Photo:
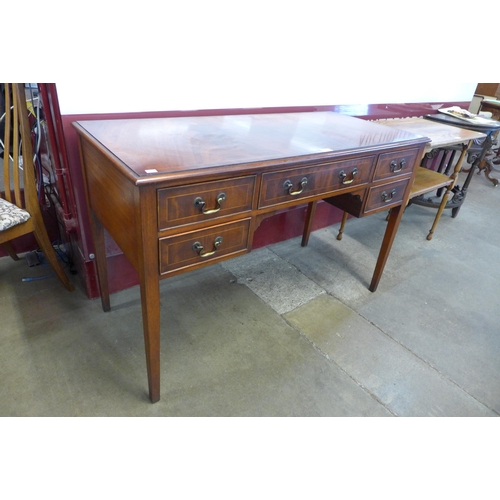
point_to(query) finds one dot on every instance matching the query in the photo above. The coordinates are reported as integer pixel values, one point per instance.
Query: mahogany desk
(177, 194)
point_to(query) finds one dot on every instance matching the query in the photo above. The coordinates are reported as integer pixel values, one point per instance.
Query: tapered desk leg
(311, 210)
(100, 258)
(390, 234)
(150, 299)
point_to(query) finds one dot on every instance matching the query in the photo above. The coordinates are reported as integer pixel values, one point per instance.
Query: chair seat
(11, 215)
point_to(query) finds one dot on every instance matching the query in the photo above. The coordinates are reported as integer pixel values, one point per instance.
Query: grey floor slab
(274, 280)
(404, 383)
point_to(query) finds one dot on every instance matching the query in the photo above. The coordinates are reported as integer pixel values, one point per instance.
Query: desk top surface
(160, 146)
(440, 134)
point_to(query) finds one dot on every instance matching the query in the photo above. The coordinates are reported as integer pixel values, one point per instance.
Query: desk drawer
(288, 185)
(198, 202)
(395, 164)
(197, 248)
(386, 196)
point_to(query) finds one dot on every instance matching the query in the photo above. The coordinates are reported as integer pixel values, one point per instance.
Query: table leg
(150, 300)
(390, 233)
(342, 226)
(311, 210)
(100, 259)
(479, 157)
(487, 171)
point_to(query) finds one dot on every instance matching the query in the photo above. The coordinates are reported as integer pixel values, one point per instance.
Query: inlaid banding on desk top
(152, 146)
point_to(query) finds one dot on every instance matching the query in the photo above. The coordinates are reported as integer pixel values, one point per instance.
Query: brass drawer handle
(386, 197)
(198, 202)
(288, 186)
(394, 166)
(343, 177)
(198, 247)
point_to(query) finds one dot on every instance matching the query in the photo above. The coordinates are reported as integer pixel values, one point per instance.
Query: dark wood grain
(111, 188)
(395, 164)
(176, 206)
(177, 253)
(386, 196)
(322, 178)
(182, 145)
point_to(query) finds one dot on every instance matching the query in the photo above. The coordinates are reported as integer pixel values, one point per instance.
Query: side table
(444, 137)
(477, 153)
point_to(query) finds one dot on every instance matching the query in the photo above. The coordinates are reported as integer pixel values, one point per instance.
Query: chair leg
(311, 210)
(342, 225)
(46, 246)
(8, 248)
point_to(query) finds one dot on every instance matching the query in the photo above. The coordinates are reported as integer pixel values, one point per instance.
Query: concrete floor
(282, 331)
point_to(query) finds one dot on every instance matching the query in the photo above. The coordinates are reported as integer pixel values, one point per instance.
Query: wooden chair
(20, 211)
(426, 181)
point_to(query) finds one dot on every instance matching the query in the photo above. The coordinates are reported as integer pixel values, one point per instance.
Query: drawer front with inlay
(204, 246)
(182, 205)
(386, 195)
(288, 185)
(395, 164)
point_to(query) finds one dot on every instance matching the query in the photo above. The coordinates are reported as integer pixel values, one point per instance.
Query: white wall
(108, 97)
(194, 54)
